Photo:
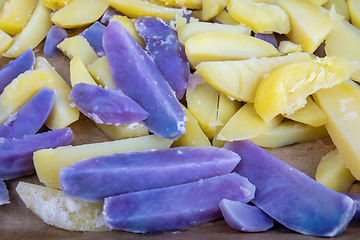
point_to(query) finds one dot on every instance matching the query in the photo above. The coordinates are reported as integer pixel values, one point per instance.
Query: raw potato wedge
(5, 41)
(354, 10)
(310, 114)
(194, 135)
(341, 104)
(309, 31)
(211, 8)
(78, 46)
(240, 79)
(15, 14)
(100, 71)
(246, 123)
(48, 162)
(262, 18)
(341, 7)
(194, 28)
(58, 210)
(33, 33)
(286, 88)
(343, 40)
(79, 73)
(333, 173)
(191, 4)
(79, 13)
(137, 8)
(62, 114)
(21, 89)
(220, 46)
(289, 132)
(56, 4)
(202, 102)
(129, 25)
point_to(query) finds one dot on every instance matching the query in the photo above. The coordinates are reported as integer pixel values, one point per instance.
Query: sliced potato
(58, 210)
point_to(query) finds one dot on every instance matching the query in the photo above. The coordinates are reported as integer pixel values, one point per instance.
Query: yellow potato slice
(129, 25)
(354, 11)
(341, 7)
(341, 104)
(309, 24)
(62, 114)
(48, 162)
(33, 33)
(142, 8)
(194, 28)
(131, 130)
(5, 41)
(245, 124)
(240, 79)
(286, 88)
(100, 71)
(15, 14)
(194, 136)
(21, 89)
(333, 173)
(226, 109)
(202, 102)
(289, 132)
(79, 73)
(212, 8)
(343, 40)
(225, 18)
(79, 13)
(78, 46)
(220, 46)
(310, 114)
(286, 47)
(314, 2)
(190, 4)
(56, 4)
(58, 210)
(262, 18)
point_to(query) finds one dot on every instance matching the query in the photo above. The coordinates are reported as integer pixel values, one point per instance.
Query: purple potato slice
(135, 74)
(93, 35)
(105, 105)
(16, 155)
(168, 53)
(356, 198)
(291, 197)
(30, 117)
(96, 178)
(177, 206)
(16, 67)
(244, 217)
(55, 36)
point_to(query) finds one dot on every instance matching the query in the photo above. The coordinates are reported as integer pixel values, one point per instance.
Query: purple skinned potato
(177, 206)
(16, 155)
(4, 194)
(96, 178)
(135, 74)
(105, 105)
(30, 117)
(356, 198)
(291, 197)
(168, 53)
(268, 37)
(109, 13)
(55, 36)
(244, 217)
(93, 35)
(16, 67)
